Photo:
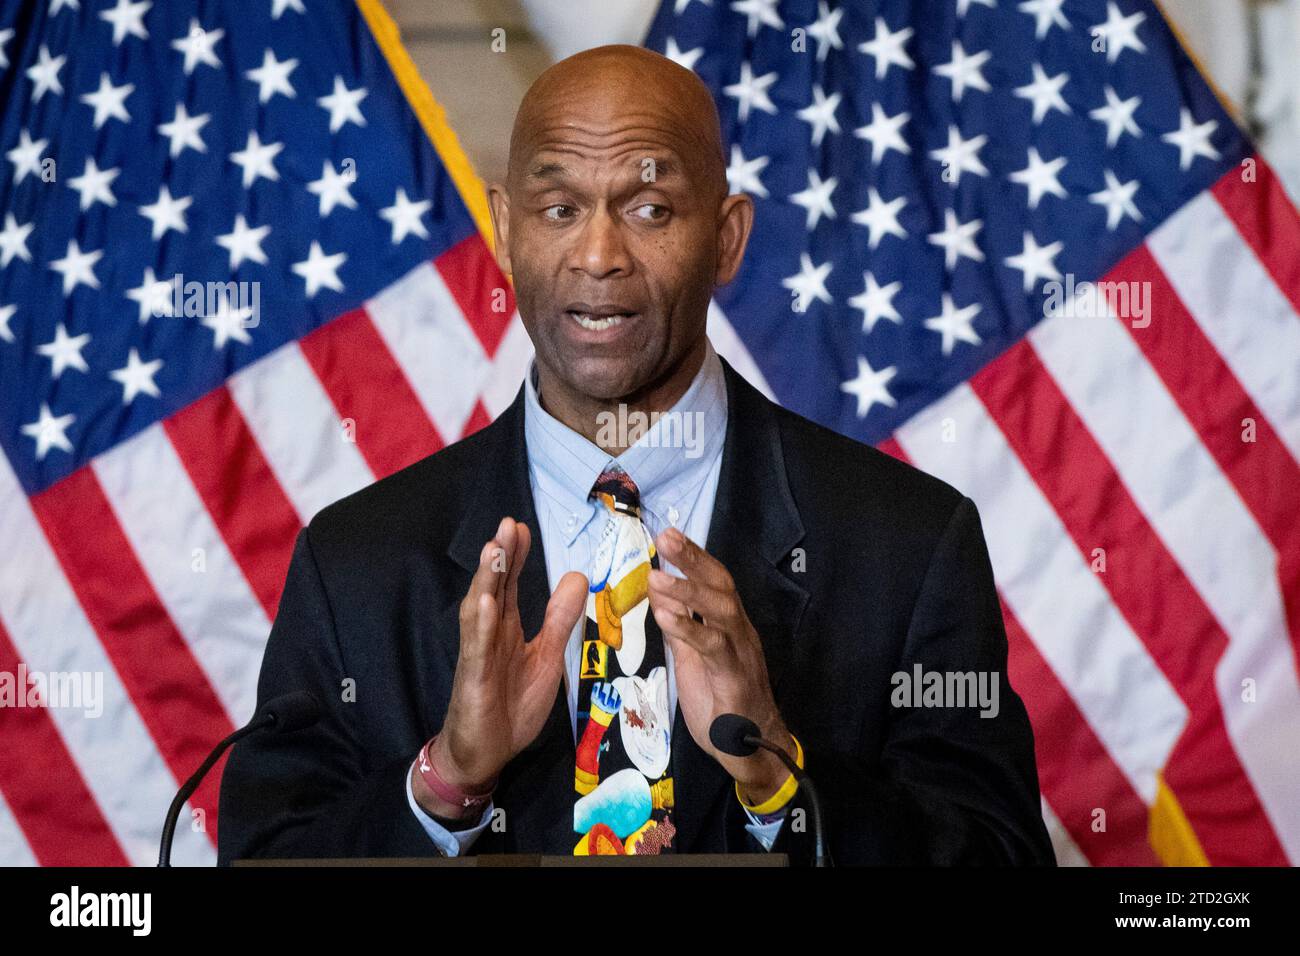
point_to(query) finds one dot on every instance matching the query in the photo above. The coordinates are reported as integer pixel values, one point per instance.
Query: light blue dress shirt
(675, 465)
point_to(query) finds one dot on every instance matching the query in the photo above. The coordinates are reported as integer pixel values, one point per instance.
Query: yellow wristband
(783, 795)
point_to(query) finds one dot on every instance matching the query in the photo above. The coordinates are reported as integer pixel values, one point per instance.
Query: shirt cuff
(764, 833)
(448, 842)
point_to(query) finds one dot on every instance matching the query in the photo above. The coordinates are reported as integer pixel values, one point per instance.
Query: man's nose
(600, 247)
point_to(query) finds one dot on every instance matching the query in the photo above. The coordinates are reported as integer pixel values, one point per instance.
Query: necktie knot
(618, 491)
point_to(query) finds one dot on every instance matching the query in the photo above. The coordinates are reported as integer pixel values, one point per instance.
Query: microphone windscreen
(728, 733)
(289, 712)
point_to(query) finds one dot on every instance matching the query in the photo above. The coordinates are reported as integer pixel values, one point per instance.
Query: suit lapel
(753, 528)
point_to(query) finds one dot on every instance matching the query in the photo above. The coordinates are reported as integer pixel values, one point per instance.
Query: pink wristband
(445, 791)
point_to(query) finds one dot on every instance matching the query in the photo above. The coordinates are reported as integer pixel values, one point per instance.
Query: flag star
(1117, 114)
(7, 313)
(183, 131)
(1047, 14)
(825, 30)
(197, 46)
(816, 198)
(77, 267)
(681, 5)
(109, 101)
(167, 213)
(13, 240)
(58, 5)
(881, 218)
(279, 6)
(870, 387)
(809, 283)
(751, 91)
(887, 48)
(821, 114)
(45, 74)
(743, 174)
(1041, 177)
(1117, 197)
(963, 6)
(152, 295)
(404, 216)
(257, 159)
(964, 70)
(883, 133)
(958, 239)
(64, 351)
(243, 242)
(1045, 92)
(6, 35)
(228, 322)
(136, 377)
(1036, 262)
(332, 188)
(1192, 139)
(93, 184)
(760, 13)
(272, 76)
(50, 431)
(1119, 33)
(344, 105)
(876, 302)
(961, 155)
(320, 270)
(127, 19)
(686, 58)
(955, 325)
(26, 156)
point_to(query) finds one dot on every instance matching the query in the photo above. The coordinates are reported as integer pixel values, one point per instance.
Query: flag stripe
(196, 577)
(1089, 792)
(1267, 220)
(44, 790)
(1180, 632)
(1073, 622)
(121, 765)
(369, 390)
(1216, 274)
(166, 684)
(481, 292)
(308, 450)
(426, 332)
(1261, 470)
(1063, 845)
(247, 504)
(1147, 440)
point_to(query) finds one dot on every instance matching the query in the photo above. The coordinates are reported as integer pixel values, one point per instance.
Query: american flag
(1023, 246)
(165, 433)
(922, 171)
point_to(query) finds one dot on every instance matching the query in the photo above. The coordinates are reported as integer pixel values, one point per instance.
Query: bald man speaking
(520, 643)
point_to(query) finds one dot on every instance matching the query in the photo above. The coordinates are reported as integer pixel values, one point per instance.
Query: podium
(515, 860)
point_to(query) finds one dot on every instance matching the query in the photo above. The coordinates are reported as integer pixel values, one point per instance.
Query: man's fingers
(510, 599)
(567, 605)
(719, 608)
(675, 622)
(696, 563)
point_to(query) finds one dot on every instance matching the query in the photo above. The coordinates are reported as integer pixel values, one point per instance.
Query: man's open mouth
(598, 318)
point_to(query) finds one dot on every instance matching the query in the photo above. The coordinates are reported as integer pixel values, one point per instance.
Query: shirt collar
(673, 456)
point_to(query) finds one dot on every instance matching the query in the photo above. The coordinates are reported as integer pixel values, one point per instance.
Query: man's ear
(735, 220)
(499, 208)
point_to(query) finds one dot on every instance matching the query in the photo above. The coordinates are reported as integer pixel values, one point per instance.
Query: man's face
(611, 231)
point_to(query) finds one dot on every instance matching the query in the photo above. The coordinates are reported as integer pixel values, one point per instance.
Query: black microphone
(739, 736)
(289, 712)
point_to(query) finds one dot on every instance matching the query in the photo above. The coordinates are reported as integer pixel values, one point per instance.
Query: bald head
(617, 87)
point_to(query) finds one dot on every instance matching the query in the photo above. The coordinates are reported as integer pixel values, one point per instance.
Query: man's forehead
(551, 165)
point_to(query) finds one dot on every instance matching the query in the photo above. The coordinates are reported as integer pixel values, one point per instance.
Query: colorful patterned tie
(623, 776)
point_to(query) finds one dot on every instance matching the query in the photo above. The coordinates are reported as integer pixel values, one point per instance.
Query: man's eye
(651, 211)
(558, 211)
